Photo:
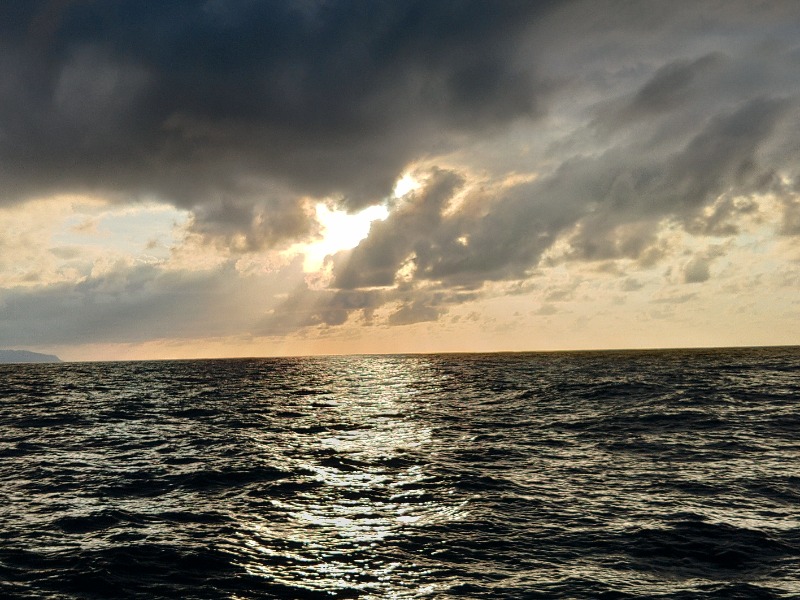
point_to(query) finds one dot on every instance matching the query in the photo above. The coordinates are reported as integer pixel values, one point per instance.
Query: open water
(656, 474)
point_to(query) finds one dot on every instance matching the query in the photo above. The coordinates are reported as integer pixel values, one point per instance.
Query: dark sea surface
(650, 474)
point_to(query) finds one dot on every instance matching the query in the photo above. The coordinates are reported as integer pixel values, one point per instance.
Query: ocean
(669, 474)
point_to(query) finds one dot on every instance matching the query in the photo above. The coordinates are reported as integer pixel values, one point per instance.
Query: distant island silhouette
(25, 356)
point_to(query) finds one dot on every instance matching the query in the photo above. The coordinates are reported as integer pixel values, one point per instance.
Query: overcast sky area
(245, 178)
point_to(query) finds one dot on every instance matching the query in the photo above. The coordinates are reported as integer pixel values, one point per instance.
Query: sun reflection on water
(365, 460)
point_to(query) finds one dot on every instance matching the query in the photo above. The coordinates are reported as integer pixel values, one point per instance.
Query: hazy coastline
(26, 356)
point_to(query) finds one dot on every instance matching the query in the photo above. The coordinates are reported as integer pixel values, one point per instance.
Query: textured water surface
(663, 474)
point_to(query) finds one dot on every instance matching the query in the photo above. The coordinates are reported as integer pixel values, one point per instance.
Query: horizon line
(445, 353)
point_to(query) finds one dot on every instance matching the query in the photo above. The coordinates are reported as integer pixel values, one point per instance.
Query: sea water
(648, 474)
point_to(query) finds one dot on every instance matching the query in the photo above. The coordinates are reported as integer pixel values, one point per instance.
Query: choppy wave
(661, 474)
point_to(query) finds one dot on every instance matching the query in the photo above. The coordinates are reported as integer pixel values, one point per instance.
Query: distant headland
(24, 356)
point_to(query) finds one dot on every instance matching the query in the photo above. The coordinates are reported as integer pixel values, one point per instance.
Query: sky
(227, 178)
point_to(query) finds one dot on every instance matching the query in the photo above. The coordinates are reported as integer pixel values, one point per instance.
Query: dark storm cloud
(197, 102)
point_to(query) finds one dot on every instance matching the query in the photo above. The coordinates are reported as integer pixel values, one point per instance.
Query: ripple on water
(571, 475)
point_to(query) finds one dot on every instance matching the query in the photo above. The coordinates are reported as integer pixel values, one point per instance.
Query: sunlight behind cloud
(340, 231)
(405, 185)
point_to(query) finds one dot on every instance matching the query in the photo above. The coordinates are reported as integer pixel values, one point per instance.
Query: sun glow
(340, 231)
(405, 185)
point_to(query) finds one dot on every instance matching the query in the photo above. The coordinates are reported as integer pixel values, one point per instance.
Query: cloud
(631, 284)
(211, 105)
(306, 307)
(138, 302)
(239, 110)
(414, 312)
(610, 206)
(703, 176)
(243, 226)
(409, 230)
(791, 218)
(607, 206)
(672, 86)
(545, 310)
(674, 298)
(789, 194)
(697, 270)
(403, 304)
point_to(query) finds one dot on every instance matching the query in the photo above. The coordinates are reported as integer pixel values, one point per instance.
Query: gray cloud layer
(137, 303)
(250, 104)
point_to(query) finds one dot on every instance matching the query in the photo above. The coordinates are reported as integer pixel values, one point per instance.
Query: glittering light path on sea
(360, 485)
(629, 475)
